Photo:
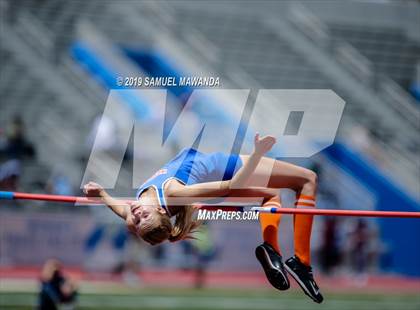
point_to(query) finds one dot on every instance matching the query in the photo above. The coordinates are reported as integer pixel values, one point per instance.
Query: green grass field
(186, 299)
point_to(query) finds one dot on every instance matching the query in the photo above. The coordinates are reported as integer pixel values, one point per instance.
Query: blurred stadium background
(59, 59)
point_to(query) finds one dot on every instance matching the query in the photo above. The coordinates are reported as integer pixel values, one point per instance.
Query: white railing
(400, 100)
(405, 114)
(38, 36)
(309, 24)
(361, 67)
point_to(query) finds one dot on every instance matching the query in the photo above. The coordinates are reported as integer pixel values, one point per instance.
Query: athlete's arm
(226, 188)
(211, 190)
(208, 189)
(119, 207)
(262, 146)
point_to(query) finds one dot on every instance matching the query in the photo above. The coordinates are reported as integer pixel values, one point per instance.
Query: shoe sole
(271, 272)
(303, 287)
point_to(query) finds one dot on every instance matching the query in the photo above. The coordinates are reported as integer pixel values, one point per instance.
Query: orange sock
(270, 223)
(303, 229)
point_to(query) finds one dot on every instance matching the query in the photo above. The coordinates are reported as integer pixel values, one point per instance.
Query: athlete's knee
(311, 180)
(312, 177)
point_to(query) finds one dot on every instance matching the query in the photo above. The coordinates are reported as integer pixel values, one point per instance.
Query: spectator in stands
(129, 272)
(203, 251)
(363, 140)
(363, 250)
(59, 184)
(9, 175)
(359, 239)
(17, 145)
(104, 134)
(56, 289)
(198, 253)
(329, 252)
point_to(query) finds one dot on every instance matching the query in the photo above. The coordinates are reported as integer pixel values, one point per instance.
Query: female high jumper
(195, 176)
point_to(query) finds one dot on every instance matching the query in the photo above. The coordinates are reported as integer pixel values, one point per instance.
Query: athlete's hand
(93, 189)
(264, 144)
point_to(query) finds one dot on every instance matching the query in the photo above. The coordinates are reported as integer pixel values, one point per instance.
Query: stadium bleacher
(392, 53)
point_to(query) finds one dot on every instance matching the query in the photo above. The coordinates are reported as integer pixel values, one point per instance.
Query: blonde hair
(162, 229)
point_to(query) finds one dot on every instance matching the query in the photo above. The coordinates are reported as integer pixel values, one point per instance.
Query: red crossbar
(359, 213)
(85, 200)
(57, 198)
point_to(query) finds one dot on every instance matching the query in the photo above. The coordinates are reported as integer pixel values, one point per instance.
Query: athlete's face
(149, 222)
(143, 214)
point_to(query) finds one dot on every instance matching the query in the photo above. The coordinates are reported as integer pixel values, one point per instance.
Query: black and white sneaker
(272, 263)
(304, 277)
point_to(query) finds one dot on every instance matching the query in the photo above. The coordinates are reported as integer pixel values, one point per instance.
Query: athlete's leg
(268, 253)
(302, 225)
(270, 223)
(278, 174)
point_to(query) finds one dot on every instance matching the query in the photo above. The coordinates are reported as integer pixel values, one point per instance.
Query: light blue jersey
(191, 167)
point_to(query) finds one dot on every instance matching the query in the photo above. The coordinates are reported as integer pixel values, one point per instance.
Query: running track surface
(180, 278)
